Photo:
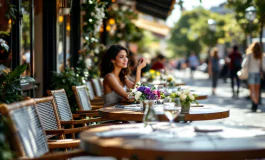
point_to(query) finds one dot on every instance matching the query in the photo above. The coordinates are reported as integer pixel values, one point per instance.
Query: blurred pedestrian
(215, 68)
(224, 71)
(193, 63)
(159, 63)
(253, 63)
(235, 65)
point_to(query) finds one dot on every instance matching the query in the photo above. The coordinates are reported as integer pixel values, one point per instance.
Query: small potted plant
(186, 98)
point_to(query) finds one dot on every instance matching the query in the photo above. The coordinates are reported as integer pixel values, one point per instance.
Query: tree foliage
(192, 32)
(249, 27)
(240, 7)
(179, 34)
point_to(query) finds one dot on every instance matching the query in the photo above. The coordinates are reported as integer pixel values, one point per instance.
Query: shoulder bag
(243, 73)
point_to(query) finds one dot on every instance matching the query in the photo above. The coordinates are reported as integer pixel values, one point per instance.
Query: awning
(157, 8)
(152, 26)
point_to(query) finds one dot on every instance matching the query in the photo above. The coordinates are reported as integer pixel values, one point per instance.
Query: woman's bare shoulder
(109, 77)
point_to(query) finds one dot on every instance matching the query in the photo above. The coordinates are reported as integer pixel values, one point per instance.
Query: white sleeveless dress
(112, 98)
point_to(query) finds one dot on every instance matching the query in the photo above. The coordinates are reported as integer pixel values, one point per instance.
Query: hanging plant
(94, 15)
(89, 59)
(93, 19)
(123, 29)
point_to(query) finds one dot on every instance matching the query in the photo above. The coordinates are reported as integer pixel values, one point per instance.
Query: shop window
(63, 54)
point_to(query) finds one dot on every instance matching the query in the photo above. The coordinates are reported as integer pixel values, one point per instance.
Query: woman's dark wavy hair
(106, 66)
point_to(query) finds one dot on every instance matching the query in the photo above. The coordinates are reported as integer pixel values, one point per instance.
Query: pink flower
(157, 92)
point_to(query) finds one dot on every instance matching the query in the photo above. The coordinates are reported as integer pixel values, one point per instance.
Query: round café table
(136, 142)
(201, 96)
(133, 113)
(178, 83)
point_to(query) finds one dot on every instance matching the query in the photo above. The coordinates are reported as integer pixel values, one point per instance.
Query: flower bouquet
(186, 98)
(151, 75)
(147, 95)
(170, 80)
(143, 92)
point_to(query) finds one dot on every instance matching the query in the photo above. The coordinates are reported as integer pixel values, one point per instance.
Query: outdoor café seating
(28, 139)
(83, 101)
(50, 120)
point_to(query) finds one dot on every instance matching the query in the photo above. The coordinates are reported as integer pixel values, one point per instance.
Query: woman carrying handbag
(253, 63)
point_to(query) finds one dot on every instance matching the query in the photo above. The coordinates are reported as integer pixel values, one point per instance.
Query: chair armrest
(96, 107)
(87, 111)
(97, 102)
(58, 155)
(98, 98)
(81, 121)
(82, 116)
(65, 131)
(85, 114)
(65, 143)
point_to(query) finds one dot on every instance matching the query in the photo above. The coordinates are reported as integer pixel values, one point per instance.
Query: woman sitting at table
(114, 69)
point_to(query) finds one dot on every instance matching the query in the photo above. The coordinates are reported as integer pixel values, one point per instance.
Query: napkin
(132, 106)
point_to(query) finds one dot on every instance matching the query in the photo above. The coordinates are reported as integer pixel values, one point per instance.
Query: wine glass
(172, 110)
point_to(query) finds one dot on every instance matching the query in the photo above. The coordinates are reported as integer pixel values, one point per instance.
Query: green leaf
(17, 72)
(27, 79)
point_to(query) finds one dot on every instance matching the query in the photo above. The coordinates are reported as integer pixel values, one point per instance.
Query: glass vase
(150, 116)
(185, 108)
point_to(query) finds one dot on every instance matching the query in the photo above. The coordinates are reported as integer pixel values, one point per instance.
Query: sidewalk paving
(240, 108)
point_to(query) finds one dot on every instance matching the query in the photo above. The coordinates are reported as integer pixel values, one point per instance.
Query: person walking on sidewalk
(193, 63)
(235, 65)
(214, 66)
(253, 63)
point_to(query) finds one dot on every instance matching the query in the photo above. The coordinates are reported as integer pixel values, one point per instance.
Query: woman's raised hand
(141, 63)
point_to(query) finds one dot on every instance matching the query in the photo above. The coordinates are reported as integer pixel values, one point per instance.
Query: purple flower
(152, 96)
(147, 91)
(141, 88)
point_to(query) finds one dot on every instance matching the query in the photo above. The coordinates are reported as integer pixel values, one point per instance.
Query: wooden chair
(66, 116)
(64, 111)
(97, 87)
(93, 98)
(90, 90)
(83, 101)
(26, 136)
(101, 80)
(28, 140)
(50, 120)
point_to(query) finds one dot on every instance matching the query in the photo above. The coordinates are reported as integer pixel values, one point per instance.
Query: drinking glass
(167, 100)
(171, 110)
